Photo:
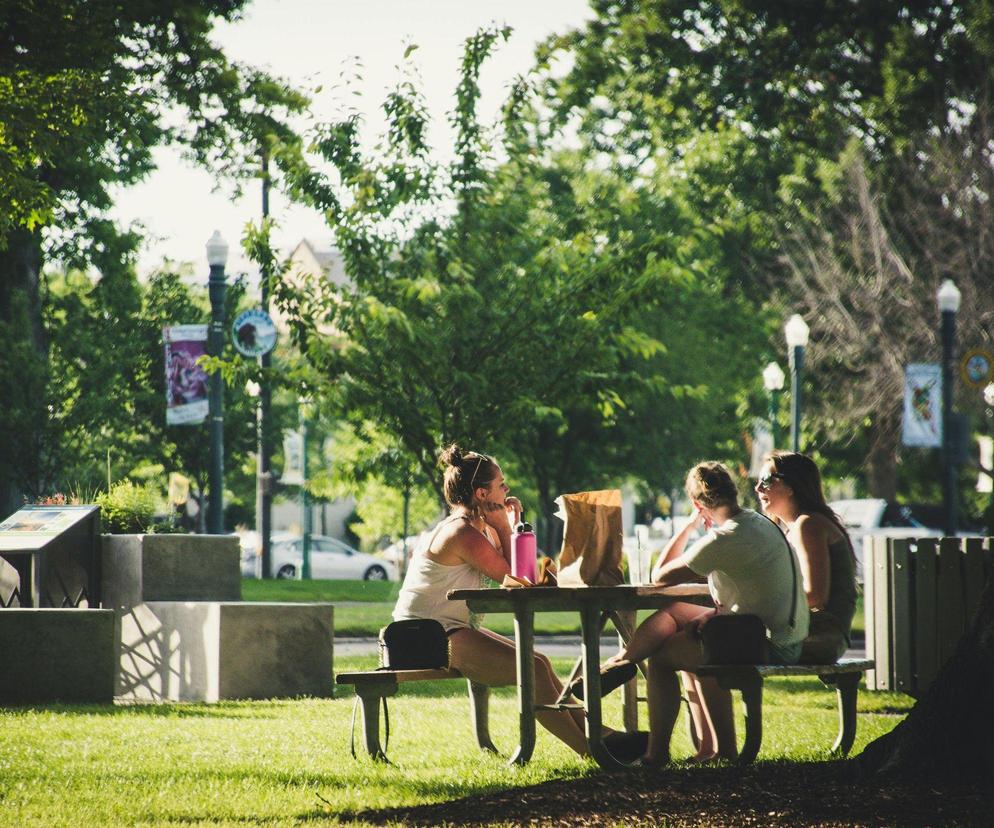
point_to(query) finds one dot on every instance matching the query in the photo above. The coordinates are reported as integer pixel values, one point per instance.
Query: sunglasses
(764, 483)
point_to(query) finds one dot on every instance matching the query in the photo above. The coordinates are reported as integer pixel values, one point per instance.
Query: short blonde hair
(710, 484)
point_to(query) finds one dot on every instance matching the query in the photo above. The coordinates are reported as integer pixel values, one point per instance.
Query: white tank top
(426, 584)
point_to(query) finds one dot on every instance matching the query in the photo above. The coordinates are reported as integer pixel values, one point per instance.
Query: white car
(331, 559)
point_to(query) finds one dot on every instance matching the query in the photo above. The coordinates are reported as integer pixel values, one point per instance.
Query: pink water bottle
(524, 552)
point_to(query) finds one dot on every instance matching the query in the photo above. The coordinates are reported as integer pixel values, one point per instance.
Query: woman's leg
(711, 712)
(681, 651)
(651, 633)
(717, 704)
(706, 741)
(489, 659)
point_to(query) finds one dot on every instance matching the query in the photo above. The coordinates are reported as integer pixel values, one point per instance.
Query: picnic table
(594, 604)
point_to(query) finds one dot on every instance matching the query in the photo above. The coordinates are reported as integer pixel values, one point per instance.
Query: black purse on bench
(414, 644)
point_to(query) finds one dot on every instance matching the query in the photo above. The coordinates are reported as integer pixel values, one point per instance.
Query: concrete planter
(209, 650)
(57, 655)
(141, 568)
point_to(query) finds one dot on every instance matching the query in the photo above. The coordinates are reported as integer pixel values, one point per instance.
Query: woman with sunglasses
(790, 491)
(473, 541)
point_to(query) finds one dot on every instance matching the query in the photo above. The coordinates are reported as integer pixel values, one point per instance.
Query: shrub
(127, 508)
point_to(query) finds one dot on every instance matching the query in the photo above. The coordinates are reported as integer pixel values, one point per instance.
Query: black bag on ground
(734, 639)
(414, 644)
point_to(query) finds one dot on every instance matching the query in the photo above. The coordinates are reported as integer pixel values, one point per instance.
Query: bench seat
(373, 685)
(748, 680)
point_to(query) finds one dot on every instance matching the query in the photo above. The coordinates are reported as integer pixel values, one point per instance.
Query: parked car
(330, 559)
(876, 517)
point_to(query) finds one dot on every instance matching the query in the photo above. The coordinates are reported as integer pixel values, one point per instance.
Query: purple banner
(186, 381)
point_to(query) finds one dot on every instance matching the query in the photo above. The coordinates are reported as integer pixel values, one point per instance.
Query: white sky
(306, 41)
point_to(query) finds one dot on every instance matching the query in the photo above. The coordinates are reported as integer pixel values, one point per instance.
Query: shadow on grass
(773, 793)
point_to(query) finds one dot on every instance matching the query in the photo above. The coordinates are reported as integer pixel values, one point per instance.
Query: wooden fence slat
(926, 621)
(950, 606)
(881, 615)
(902, 619)
(974, 577)
(869, 609)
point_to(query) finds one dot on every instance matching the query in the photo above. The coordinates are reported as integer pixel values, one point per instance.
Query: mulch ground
(768, 794)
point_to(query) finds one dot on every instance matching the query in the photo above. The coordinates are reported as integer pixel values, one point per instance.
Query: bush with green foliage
(127, 508)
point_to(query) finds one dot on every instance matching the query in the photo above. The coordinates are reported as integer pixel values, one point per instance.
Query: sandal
(612, 677)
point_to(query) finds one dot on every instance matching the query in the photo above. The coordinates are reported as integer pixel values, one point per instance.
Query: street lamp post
(796, 331)
(305, 500)
(217, 257)
(948, 298)
(773, 378)
(264, 476)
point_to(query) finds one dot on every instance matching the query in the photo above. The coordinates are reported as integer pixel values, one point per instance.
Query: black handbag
(734, 639)
(414, 644)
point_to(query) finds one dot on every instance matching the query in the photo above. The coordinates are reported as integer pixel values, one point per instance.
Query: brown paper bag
(591, 552)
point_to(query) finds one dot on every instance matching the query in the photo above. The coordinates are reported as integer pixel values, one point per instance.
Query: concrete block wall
(140, 568)
(57, 655)
(184, 635)
(210, 650)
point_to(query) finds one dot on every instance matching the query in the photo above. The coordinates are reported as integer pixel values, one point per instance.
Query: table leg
(524, 640)
(624, 625)
(590, 623)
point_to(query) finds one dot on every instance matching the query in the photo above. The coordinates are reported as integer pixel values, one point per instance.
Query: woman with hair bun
(473, 541)
(790, 491)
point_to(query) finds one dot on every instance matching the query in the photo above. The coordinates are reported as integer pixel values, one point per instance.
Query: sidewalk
(550, 645)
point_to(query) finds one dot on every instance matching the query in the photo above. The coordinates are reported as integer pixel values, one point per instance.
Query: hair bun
(451, 455)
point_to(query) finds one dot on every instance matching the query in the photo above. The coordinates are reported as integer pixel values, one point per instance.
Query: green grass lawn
(287, 762)
(368, 604)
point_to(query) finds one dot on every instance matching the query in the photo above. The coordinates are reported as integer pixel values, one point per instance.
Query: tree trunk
(20, 297)
(881, 462)
(949, 734)
(23, 367)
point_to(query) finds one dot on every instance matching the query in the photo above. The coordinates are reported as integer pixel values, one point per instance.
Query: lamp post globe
(796, 332)
(217, 258)
(773, 380)
(948, 299)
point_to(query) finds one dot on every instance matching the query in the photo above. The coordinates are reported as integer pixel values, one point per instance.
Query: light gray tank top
(426, 584)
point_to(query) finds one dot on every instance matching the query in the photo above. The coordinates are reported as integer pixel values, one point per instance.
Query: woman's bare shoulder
(817, 525)
(456, 539)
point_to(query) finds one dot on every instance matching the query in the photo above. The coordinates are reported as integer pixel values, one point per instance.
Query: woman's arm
(674, 549)
(810, 539)
(479, 552)
(499, 519)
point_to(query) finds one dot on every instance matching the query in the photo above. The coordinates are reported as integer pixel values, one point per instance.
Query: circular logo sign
(254, 333)
(977, 367)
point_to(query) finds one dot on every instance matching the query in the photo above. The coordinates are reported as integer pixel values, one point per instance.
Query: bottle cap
(523, 527)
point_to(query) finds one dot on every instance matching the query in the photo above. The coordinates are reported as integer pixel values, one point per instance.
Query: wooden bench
(748, 680)
(372, 686)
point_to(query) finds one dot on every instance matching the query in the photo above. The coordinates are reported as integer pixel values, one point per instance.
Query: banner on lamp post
(922, 405)
(293, 459)
(187, 401)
